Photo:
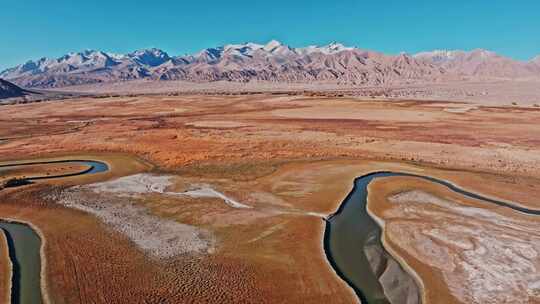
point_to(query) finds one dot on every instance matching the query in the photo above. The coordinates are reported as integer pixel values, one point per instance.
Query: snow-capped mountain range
(274, 61)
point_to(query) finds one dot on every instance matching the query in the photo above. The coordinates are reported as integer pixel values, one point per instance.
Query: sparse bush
(16, 182)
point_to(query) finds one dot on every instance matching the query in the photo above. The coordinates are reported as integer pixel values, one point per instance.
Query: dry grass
(488, 139)
(274, 163)
(40, 170)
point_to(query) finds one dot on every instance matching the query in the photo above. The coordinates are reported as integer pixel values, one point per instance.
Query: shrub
(16, 182)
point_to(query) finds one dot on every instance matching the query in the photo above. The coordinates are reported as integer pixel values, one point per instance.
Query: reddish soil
(262, 150)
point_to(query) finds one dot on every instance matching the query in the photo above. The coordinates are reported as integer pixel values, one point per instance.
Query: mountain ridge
(274, 62)
(9, 90)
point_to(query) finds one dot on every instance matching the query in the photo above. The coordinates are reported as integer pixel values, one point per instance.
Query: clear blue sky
(36, 28)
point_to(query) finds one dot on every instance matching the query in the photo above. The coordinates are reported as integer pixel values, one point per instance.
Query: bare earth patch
(485, 256)
(147, 183)
(115, 203)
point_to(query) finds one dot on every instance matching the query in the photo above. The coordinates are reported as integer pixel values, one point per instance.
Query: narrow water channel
(93, 168)
(350, 231)
(24, 253)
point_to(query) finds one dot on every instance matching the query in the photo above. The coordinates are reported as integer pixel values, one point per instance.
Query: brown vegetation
(269, 152)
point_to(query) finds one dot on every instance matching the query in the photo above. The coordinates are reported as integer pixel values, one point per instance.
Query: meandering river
(25, 244)
(350, 231)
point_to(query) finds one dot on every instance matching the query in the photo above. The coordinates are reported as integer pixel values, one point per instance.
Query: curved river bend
(348, 232)
(94, 167)
(351, 230)
(25, 244)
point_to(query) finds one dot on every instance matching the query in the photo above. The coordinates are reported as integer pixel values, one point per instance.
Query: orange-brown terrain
(5, 266)
(223, 198)
(41, 170)
(462, 250)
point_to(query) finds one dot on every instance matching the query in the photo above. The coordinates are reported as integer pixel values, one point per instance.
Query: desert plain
(224, 198)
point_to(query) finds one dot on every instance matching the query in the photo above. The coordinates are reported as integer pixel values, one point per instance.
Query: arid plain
(214, 198)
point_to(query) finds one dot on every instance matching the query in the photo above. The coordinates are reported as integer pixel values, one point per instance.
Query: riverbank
(247, 237)
(40, 170)
(6, 269)
(353, 245)
(457, 245)
(490, 201)
(69, 170)
(21, 232)
(118, 165)
(290, 158)
(29, 294)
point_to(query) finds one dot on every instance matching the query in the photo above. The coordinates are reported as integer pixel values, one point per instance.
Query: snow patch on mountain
(273, 61)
